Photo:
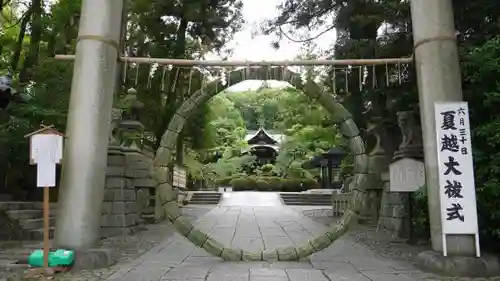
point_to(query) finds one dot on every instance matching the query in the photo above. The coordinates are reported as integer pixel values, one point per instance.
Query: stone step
(203, 203)
(308, 199)
(216, 201)
(300, 199)
(29, 224)
(201, 196)
(309, 195)
(28, 214)
(204, 199)
(305, 200)
(37, 234)
(14, 205)
(206, 196)
(303, 203)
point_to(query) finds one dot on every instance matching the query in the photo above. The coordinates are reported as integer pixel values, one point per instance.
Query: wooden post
(46, 227)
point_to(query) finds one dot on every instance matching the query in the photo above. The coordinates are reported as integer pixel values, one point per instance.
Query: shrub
(291, 185)
(267, 168)
(275, 183)
(223, 181)
(239, 184)
(263, 185)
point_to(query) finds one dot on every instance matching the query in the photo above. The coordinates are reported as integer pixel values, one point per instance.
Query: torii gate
(83, 177)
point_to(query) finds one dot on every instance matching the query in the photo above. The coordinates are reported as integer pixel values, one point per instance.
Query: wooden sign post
(46, 147)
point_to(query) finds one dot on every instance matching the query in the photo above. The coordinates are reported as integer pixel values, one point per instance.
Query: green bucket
(56, 258)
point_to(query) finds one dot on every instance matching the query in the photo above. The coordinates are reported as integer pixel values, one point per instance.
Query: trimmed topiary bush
(291, 185)
(310, 184)
(276, 184)
(239, 184)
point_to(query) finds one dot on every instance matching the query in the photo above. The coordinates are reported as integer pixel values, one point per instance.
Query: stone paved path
(254, 221)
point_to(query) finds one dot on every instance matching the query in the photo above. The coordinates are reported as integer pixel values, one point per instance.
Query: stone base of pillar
(458, 266)
(94, 258)
(119, 210)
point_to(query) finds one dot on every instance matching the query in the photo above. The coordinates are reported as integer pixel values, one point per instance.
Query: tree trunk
(20, 38)
(36, 36)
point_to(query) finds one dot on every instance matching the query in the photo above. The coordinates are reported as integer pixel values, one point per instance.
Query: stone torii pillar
(438, 78)
(89, 120)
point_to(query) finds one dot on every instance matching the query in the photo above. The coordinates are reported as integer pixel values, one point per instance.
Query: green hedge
(272, 184)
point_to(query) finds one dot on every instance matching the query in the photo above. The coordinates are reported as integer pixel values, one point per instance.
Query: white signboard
(46, 152)
(406, 175)
(179, 178)
(456, 175)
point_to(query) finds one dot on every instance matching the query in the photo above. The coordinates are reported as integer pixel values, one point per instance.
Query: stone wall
(127, 175)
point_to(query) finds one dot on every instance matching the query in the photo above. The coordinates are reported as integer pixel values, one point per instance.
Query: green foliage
(267, 169)
(481, 69)
(225, 124)
(277, 109)
(306, 125)
(420, 222)
(31, 34)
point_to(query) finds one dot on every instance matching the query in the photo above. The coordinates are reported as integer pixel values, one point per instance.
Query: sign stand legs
(46, 226)
(45, 270)
(445, 247)
(478, 248)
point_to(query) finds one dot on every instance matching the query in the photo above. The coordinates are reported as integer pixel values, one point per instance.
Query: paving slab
(260, 221)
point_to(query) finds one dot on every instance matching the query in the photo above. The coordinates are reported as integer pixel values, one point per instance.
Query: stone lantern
(328, 162)
(131, 129)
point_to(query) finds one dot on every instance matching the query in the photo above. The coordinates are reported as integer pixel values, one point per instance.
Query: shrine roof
(272, 138)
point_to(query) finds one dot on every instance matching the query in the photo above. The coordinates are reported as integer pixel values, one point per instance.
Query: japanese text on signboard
(456, 176)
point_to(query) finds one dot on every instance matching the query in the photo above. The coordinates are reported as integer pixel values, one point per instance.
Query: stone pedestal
(395, 205)
(120, 210)
(140, 164)
(392, 209)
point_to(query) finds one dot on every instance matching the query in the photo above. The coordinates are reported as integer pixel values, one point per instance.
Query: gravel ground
(128, 247)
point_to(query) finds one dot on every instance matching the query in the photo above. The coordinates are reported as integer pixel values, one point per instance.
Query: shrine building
(264, 145)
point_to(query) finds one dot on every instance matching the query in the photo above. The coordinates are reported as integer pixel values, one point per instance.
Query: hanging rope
(163, 78)
(360, 78)
(334, 81)
(149, 77)
(346, 81)
(387, 75)
(125, 67)
(189, 81)
(136, 75)
(175, 79)
(399, 73)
